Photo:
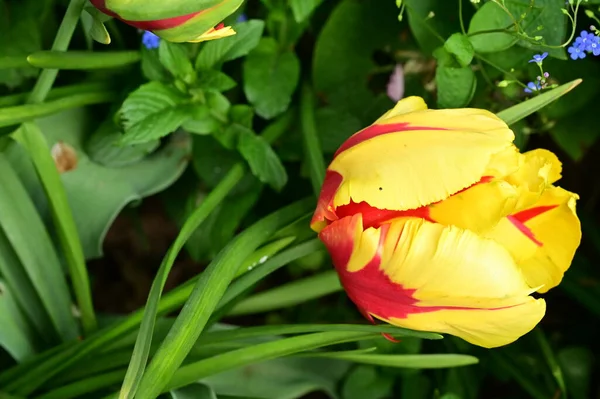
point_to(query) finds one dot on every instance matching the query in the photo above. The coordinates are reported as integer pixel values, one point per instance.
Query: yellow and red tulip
(435, 222)
(174, 20)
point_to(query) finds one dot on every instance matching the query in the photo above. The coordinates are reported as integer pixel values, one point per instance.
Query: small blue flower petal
(576, 52)
(242, 18)
(150, 40)
(539, 58)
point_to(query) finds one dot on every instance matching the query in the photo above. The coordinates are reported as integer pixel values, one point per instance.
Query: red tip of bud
(220, 26)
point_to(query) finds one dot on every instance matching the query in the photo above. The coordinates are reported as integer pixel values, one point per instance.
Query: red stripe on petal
(525, 230)
(378, 130)
(529, 214)
(325, 211)
(375, 217)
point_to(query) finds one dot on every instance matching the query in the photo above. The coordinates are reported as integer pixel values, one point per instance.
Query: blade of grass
(313, 151)
(82, 60)
(19, 98)
(423, 361)
(551, 360)
(206, 295)
(290, 294)
(141, 350)
(25, 230)
(31, 138)
(526, 108)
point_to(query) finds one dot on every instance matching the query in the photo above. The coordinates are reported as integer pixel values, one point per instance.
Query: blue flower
(576, 52)
(242, 18)
(585, 40)
(595, 45)
(150, 40)
(533, 86)
(539, 58)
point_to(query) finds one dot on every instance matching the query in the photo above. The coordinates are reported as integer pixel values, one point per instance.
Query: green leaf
(365, 381)
(152, 111)
(334, 127)
(216, 52)
(141, 350)
(195, 391)
(546, 14)
(215, 80)
(15, 335)
(576, 133)
(270, 78)
(174, 57)
(204, 298)
(576, 363)
(456, 86)
(303, 8)
(82, 60)
(263, 161)
(93, 23)
(526, 108)
(491, 16)
(289, 294)
(202, 120)
(242, 114)
(296, 377)
(20, 30)
(94, 207)
(551, 360)
(345, 85)
(461, 48)
(429, 21)
(31, 138)
(151, 66)
(25, 231)
(407, 361)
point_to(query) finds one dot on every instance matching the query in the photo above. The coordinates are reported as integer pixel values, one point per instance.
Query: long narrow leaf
(32, 139)
(206, 295)
(289, 294)
(406, 361)
(32, 244)
(144, 340)
(526, 108)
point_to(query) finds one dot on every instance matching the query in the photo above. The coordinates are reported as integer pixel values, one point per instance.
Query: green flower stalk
(174, 20)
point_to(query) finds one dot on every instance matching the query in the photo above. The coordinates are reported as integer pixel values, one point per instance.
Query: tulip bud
(174, 20)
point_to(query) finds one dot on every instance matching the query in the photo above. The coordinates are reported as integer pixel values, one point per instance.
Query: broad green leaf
(289, 294)
(141, 350)
(202, 121)
(194, 391)
(94, 206)
(455, 86)
(174, 57)
(345, 85)
(104, 148)
(15, 335)
(576, 133)
(211, 79)
(32, 139)
(33, 246)
(270, 78)
(528, 107)
(152, 111)
(204, 298)
(151, 67)
(420, 361)
(283, 378)
(263, 161)
(216, 52)
(334, 127)
(546, 15)
(20, 30)
(461, 48)
(429, 21)
(303, 8)
(491, 16)
(242, 114)
(365, 381)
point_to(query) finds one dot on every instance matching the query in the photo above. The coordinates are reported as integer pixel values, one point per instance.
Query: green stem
(314, 154)
(82, 60)
(23, 113)
(8, 62)
(61, 43)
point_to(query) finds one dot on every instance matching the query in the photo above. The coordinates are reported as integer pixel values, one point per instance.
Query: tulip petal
(430, 277)
(407, 170)
(543, 239)
(404, 106)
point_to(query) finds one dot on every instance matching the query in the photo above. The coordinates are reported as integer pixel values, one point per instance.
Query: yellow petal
(478, 208)
(487, 328)
(404, 106)
(408, 169)
(213, 34)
